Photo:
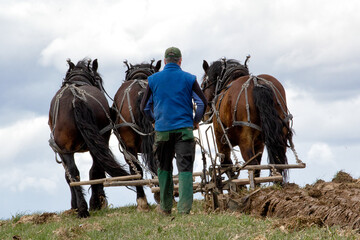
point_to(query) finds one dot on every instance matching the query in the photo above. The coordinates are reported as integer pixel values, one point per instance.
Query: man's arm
(146, 104)
(200, 102)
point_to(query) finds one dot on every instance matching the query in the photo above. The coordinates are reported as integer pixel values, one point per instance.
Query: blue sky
(312, 47)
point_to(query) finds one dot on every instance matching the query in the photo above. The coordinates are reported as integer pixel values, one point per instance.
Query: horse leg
(258, 147)
(225, 160)
(98, 197)
(250, 144)
(142, 204)
(77, 196)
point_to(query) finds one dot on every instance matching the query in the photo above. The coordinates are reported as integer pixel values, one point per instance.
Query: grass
(127, 223)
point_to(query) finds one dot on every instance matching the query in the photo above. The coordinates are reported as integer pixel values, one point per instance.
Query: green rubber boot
(185, 192)
(166, 190)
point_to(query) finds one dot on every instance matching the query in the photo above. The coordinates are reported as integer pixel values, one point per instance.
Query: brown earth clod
(321, 204)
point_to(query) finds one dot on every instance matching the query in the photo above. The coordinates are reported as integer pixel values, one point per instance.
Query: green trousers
(167, 144)
(167, 188)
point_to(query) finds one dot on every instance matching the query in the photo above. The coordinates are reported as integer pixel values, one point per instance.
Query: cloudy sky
(312, 47)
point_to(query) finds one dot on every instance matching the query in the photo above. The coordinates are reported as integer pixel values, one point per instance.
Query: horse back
(233, 105)
(62, 119)
(279, 94)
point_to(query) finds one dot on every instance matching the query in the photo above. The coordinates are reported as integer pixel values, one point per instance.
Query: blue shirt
(172, 98)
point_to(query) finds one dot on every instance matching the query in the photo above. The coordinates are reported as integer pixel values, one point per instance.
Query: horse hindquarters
(272, 125)
(98, 147)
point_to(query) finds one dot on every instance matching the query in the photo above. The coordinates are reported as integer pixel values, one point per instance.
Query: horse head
(84, 71)
(219, 74)
(142, 70)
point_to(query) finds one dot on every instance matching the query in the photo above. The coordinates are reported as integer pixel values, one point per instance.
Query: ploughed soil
(322, 204)
(335, 203)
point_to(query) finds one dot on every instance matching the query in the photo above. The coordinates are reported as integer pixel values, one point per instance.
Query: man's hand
(196, 125)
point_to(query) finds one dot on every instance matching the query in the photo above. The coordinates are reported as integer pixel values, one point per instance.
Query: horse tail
(96, 143)
(147, 141)
(272, 126)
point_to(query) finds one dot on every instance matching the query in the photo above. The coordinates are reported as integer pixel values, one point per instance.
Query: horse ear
(71, 64)
(126, 63)
(205, 65)
(158, 66)
(247, 59)
(95, 65)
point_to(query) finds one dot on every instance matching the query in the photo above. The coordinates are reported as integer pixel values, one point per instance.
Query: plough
(213, 183)
(133, 180)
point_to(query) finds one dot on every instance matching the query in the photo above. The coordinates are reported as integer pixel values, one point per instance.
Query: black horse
(133, 129)
(79, 119)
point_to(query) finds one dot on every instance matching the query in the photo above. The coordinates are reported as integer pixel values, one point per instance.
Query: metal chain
(131, 158)
(224, 131)
(133, 124)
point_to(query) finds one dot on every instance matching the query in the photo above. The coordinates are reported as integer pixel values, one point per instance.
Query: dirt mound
(38, 218)
(323, 203)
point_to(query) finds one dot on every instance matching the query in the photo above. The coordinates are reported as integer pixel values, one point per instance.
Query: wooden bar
(135, 182)
(125, 181)
(276, 166)
(245, 181)
(195, 174)
(251, 179)
(141, 182)
(176, 187)
(103, 180)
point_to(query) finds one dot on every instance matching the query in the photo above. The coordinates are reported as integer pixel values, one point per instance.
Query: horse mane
(225, 72)
(143, 69)
(81, 65)
(216, 68)
(84, 68)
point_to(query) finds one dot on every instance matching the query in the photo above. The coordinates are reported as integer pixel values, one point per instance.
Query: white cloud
(36, 183)
(41, 177)
(331, 121)
(23, 135)
(270, 31)
(320, 154)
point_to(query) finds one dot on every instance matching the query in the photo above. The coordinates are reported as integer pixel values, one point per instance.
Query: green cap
(172, 52)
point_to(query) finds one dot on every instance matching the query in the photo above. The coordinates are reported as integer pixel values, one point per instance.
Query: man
(168, 102)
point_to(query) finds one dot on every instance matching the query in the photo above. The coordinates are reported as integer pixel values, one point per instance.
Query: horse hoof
(83, 214)
(142, 205)
(104, 202)
(157, 197)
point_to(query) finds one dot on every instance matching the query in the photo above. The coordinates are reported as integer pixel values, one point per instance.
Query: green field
(127, 223)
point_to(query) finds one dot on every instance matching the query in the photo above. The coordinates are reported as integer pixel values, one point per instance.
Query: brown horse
(247, 111)
(79, 119)
(133, 129)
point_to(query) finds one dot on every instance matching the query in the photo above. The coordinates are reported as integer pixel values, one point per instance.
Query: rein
(132, 124)
(132, 74)
(126, 97)
(84, 74)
